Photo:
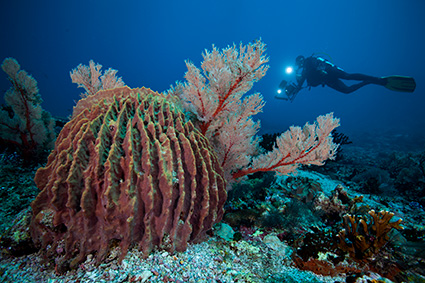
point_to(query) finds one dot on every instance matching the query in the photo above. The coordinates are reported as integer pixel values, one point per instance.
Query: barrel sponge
(127, 169)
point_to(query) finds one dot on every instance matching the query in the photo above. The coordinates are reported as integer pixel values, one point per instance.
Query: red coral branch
(222, 102)
(28, 146)
(251, 170)
(310, 145)
(29, 127)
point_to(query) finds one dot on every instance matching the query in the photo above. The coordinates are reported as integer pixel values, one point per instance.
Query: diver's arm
(300, 81)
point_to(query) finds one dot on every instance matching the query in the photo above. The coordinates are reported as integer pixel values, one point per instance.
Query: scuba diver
(318, 71)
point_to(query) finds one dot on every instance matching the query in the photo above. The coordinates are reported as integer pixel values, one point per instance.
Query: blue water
(148, 41)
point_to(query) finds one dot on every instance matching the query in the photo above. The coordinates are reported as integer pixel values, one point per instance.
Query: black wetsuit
(318, 71)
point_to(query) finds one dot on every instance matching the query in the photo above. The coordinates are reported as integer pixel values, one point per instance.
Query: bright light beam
(289, 70)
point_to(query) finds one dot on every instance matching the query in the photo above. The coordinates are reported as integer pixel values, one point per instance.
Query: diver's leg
(362, 77)
(338, 85)
(341, 74)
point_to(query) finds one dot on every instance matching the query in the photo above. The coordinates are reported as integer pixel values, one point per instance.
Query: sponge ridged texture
(127, 168)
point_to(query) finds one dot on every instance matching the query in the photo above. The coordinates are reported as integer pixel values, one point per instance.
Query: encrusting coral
(128, 169)
(26, 126)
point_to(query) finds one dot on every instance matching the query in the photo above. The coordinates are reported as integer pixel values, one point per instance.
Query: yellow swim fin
(400, 83)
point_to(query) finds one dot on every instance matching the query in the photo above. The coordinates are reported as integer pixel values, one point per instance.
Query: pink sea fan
(215, 97)
(226, 76)
(215, 94)
(91, 79)
(310, 145)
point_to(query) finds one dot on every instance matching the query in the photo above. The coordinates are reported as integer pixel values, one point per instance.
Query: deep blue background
(148, 41)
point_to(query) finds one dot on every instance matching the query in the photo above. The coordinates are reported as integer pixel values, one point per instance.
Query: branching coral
(302, 188)
(27, 126)
(363, 237)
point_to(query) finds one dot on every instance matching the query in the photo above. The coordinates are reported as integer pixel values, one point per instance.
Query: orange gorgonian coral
(363, 237)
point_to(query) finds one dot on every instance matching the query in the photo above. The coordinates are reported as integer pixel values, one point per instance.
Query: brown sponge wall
(127, 169)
